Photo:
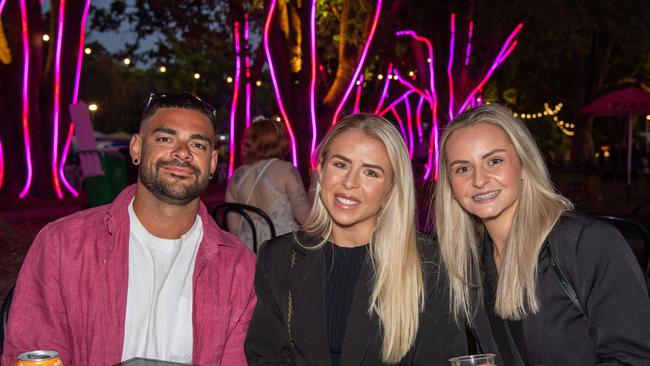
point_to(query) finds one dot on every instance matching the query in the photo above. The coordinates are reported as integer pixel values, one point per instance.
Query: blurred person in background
(268, 182)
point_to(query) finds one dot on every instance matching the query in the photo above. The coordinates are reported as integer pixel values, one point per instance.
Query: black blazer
(267, 342)
(610, 286)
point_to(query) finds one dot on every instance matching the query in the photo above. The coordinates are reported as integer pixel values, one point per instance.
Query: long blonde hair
(460, 233)
(398, 292)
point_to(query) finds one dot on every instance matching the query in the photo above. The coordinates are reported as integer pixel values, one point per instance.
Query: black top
(299, 337)
(342, 267)
(508, 334)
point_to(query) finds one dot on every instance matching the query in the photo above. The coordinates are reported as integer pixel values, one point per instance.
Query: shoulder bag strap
(292, 264)
(564, 282)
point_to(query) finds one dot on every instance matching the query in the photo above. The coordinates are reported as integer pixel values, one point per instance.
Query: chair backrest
(635, 234)
(91, 165)
(220, 214)
(6, 304)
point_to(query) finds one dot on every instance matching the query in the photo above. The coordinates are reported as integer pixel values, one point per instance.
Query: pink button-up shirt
(70, 296)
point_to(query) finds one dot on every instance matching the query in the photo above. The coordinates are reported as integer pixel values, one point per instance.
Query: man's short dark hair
(183, 100)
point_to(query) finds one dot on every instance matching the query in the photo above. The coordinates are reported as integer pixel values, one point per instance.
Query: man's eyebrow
(194, 136)
(197, 136)
(166, 130)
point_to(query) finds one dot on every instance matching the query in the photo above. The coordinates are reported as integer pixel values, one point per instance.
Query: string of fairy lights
(565, 127)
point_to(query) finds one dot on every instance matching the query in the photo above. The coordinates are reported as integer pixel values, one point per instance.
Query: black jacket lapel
(308, 321)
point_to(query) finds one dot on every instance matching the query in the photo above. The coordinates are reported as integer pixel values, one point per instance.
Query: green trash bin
(103, 189)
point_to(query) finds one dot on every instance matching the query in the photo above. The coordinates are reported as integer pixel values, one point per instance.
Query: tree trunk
(348, 55)
(11, 103)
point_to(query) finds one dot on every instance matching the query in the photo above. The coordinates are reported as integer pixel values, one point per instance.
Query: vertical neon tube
(57, 100)
(312, 78)
(468, 49)
(432, 162)
(384, 91)
(409, 124)
(25, 115)
(2, 5)
(248, 72)
(418, 119)
(355, 77)
(401, 125)
(2, 162)
(357, 98)
(450, 65)
(235, 99)
(80, 53)
(507, 47)
(278, 96)
(64, 156)
(75, 98)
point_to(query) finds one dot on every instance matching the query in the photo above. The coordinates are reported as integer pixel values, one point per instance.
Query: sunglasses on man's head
(178, 100)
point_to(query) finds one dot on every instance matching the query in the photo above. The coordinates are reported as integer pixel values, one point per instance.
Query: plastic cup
(486, 359)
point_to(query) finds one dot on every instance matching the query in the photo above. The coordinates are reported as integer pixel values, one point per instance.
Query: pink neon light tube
(409, 123)
(57, 101)
(395, 102)
(75, 99)
(355, 77)
(450, 65)
(503, 53)
(235, 98)
(2, 5)
(25, 116)
(64, 156)
(418, 119)
(2, 163)
(248, 72)
(278, 96)
(357, 98)
(80, 53)
(507, 53)
(411, 86)
(432, 164)
(401, 125)
(468, 50)
(384, 91)
(312, 78)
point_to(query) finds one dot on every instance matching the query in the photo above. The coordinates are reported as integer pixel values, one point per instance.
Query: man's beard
(172, 192)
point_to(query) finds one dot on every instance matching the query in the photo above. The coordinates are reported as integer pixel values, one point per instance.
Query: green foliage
(328, 20)
(192, 37)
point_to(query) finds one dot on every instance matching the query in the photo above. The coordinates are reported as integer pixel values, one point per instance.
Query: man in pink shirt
(149, 275)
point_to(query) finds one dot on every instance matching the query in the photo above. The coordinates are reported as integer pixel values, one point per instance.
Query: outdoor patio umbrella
(628, 102)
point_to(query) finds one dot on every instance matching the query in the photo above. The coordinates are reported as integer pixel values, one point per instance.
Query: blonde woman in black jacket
(540, 284)
(355, 286)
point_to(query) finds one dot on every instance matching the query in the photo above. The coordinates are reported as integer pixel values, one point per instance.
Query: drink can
(39, 358)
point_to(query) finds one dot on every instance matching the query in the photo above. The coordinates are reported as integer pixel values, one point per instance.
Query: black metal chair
(635, 234)
(220, 213)
(6, 304)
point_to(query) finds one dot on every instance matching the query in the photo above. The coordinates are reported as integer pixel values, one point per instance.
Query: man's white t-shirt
(158, 322)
